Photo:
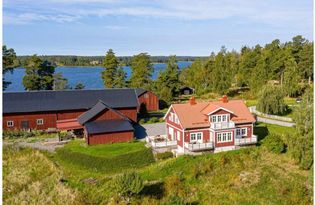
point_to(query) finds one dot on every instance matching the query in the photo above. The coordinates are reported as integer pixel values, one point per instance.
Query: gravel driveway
(142, 131)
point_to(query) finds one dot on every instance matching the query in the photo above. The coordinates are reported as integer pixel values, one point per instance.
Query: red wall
(69, 114)
(152, 102)
(111, 115)
(49, 120)
(223, 144)
(105, 138)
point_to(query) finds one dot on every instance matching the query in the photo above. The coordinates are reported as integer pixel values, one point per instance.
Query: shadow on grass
(155, 190)
(261, 132)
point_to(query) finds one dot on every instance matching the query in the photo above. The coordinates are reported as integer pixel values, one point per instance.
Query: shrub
(154, 119)
(128, 184)
(164, 155)
(175, 200)
(142, 121)
(19, 134)
(107, 164)
(274, 143)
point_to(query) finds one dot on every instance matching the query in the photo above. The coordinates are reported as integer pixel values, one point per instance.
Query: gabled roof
(95, 110)
(196, 116)
(105, 126)
(44, 101)
(140, 91)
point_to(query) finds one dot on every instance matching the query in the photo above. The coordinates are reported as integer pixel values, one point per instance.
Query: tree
(167, 83)
(305, 64)
(271, 100)
(110, 64)
(222, 81)
(39, 74)
(120, 78)
(291, 77)
(79, 86)
(302, 140)
(60, 83)
(128, 184)
(141, 71)
(9, 62)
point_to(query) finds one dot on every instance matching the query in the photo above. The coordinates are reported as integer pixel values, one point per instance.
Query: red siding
(49, 120)
(220, 112)
(224, 144)
(170, 122)
(105, 138)
(69, 114)
(150, 100)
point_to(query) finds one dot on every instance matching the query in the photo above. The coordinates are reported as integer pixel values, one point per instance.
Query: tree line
(61, 60)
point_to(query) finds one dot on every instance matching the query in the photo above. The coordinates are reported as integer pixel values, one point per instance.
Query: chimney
(192, 101)
(225, 99)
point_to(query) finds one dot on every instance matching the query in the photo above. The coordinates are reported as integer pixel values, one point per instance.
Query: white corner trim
(220, 108)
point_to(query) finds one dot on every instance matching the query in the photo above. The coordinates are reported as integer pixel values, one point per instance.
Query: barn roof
(95, 110)
(38, 101)
(140, 91)
(105, 126)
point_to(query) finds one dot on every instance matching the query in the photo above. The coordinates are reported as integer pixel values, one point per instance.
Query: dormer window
(220, 118)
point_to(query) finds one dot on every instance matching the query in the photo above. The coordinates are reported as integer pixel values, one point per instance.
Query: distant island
(69, 60)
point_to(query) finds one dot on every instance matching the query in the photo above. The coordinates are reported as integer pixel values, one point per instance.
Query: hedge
(135, 159)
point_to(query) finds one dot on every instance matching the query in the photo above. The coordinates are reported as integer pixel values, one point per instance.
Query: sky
(158, 27)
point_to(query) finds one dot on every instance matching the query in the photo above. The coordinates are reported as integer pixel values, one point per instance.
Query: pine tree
(110, 64)
(291, 77)
(60, 83)
(120, 78)
(39, 74)
(9, 62)
(141, 71)
(222, 82)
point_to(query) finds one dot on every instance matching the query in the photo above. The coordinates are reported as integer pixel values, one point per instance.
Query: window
(238, 132)
(244, 131)
(219, 118)
(10, 123)
(199, 136)
(178, 135)
(171, 117)
(214, 118)
(224, 118)
(224, 137)
(176, 119)
(39, 121)
(146, 95)
(192, 136)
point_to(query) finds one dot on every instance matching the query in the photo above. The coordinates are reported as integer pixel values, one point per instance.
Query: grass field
(246, 176)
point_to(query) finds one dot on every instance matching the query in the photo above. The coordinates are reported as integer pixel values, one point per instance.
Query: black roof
(140, 91)
(95, 110)
(38, 101)
(105, 126)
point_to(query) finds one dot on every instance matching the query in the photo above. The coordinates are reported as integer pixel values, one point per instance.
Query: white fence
(274, 117)
(199, 146)
(153, 142)
(245, 141)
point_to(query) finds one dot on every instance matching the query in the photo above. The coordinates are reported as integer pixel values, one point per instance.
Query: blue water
(89, 76)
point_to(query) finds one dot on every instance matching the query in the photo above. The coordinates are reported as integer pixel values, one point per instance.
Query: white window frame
(245, 132)
(146, 95)
(220, 118)
(226, 135)
(176, 119)
(238, 132)
(10, 123)
(195, 136)
(40, 121)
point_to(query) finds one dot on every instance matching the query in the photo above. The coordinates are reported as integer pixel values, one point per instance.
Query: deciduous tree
(9, 62)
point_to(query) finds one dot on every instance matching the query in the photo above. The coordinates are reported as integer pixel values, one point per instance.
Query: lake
(89, 76)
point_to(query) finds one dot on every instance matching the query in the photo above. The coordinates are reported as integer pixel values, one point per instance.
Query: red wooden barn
(105, 115)
(147, 100)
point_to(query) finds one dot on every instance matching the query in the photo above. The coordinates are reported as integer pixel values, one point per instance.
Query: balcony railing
(160, 141)
(199, 146)
(222, 125)
(246, 141)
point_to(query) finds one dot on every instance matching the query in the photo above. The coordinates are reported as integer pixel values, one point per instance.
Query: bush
(128, 184)
(142, 121)
(164, 155)
(19, 134)
(154, 119)
(271, 100)
(274, 144)
(135, 159)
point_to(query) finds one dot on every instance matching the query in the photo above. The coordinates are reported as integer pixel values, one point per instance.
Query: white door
(211, 136)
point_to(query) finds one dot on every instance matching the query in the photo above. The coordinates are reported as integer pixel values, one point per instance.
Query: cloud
(63, 11)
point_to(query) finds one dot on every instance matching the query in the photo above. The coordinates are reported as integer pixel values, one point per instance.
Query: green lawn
(104, 150)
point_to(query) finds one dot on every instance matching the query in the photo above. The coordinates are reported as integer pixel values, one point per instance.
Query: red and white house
(218, 126)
